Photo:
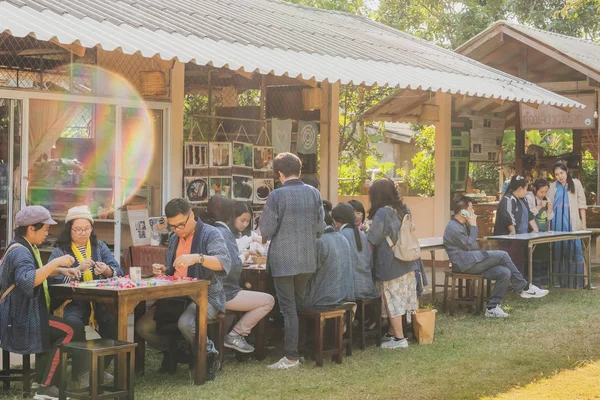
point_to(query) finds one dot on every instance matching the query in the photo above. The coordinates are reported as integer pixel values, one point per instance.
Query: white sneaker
(386, 338)
(533, 292)
(284, 363)
(496, 312)
(395, 344)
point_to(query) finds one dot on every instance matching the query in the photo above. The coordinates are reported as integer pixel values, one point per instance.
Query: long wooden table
(432, 244)
(123, 302)
(533, 239)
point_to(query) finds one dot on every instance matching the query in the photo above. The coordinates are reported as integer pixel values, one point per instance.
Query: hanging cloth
(308, 135)
(87, 275)
(282, 135)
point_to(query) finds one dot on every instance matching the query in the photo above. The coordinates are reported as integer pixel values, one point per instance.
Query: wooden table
(257, 280)
(432, 244)
(123, 302)
(533, 239)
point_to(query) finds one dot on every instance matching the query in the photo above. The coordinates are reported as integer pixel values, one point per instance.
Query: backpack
(407, 246)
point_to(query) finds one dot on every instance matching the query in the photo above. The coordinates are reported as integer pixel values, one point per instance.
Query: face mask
(465, 213)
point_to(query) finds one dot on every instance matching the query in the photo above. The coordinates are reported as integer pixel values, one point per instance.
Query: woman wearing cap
(26, 325)
(95, 261)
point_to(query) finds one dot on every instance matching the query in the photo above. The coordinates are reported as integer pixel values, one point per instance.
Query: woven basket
(259, 259)
(311, 99)
(153, 83)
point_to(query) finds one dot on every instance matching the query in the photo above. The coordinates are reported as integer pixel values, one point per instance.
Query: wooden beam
(523, 63)
(519, 143)
(73, 48)
(568, 86)
(576, 65)
(478, 42)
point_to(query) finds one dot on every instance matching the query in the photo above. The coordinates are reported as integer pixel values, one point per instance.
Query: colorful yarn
(123, 282)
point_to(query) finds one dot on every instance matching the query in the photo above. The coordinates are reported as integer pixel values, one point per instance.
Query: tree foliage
(422, 176)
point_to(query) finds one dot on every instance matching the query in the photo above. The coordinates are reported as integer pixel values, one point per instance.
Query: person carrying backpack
(395, 278)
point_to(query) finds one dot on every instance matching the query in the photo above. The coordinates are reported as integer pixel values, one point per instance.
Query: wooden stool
(472, 295)
(96, 350)
(24, 374)
(319, 316)
(365, 332)
(216, 332)
(216, 329)
(348, 318)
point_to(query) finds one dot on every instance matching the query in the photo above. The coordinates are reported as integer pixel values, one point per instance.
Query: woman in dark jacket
(514, 216)
(257, 304)
(26, 324)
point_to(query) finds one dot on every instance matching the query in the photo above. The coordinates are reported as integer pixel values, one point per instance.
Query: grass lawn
(472, 358)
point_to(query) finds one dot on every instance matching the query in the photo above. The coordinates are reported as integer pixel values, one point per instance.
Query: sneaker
(47, 393)
(213, 365)
(395, 343)
(284, 363)
(533, 292)
(84, 379)
(34, 385)
(237, 343)
(387, 337)
(496, 312)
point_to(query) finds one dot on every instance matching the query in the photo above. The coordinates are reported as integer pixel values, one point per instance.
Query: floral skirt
(400, 295)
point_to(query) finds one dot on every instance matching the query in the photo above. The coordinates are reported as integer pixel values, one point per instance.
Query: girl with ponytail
(362, 284)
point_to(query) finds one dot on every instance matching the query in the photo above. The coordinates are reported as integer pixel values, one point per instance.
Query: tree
(350, 6)
(421, 178)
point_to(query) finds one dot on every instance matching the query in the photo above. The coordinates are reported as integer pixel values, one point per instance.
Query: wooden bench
(95, 351)
(465, 289)
(319, 317)
(24, 374)
(375, 306)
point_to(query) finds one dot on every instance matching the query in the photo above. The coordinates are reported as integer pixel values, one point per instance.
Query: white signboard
(548, 117)
(486, 144)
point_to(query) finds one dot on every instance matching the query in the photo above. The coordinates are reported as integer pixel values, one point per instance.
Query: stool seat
(99, 346)
(319, 315)
(472, 295)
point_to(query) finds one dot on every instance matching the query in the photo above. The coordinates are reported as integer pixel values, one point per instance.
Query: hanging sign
(548, 117)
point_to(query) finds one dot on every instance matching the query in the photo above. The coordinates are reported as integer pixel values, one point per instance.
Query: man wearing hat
(26, 325)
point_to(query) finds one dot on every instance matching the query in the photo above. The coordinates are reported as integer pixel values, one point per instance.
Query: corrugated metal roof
(586, 52)
(266, 36)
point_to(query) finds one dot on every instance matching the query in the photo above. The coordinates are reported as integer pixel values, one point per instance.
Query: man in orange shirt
(196, 250)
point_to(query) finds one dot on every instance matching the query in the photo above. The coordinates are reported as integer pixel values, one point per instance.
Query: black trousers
(61, 332)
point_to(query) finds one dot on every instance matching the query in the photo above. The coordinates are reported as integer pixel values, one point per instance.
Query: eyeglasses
(82, 231)
(180, 226)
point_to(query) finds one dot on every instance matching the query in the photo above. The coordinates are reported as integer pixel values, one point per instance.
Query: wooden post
(577, 136)
(443, 138)
(175, 174)
(597, 121)
(329, 141)
(519, 142)
(520, 134)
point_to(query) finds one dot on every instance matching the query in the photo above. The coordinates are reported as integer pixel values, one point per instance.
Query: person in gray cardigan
(293, 220)
(460, 241)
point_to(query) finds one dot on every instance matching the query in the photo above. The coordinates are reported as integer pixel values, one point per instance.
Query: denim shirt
(386, 267)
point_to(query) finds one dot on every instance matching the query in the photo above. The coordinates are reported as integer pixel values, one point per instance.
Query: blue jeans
(498, 267)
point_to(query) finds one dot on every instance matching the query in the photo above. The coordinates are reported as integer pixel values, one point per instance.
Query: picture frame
(196, 155)
(263, 158)
(242, 187)
(195, 189)
(262, 189)
(220, 185)
(243, 155)
(256, 221)
(220, 155)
